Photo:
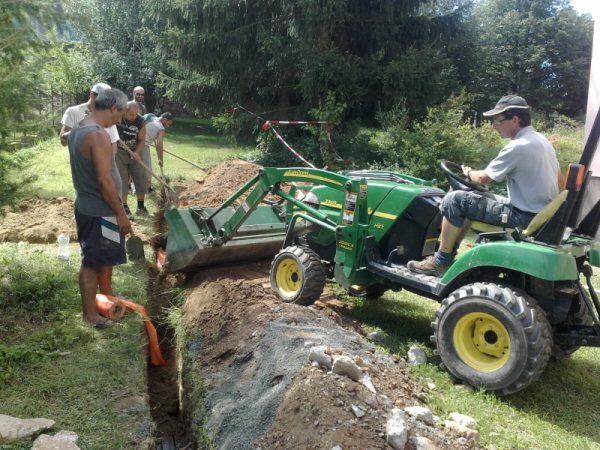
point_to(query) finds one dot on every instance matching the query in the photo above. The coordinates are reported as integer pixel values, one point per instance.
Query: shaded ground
(250, 351)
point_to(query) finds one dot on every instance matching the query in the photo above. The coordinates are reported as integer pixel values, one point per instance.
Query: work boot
(428, 267)
(128, 212)
(143, 212)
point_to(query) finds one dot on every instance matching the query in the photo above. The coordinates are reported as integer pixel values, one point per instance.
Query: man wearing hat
(75, 114)
(533, 178)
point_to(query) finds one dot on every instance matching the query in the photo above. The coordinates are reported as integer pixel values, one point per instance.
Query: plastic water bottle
(63, 246)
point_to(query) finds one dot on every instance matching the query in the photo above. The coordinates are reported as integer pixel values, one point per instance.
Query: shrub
(34, 280)
(418, 148)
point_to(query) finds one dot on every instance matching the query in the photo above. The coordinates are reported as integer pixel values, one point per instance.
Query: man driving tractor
(529, 164)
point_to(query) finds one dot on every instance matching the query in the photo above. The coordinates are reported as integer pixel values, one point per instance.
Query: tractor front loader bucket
(194, 242)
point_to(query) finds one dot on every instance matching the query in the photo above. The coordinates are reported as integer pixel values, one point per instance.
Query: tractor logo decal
(346, 245)
(304, 174)
(378, 225)
(332, 203)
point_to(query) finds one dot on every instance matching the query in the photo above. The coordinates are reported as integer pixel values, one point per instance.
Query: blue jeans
(460, 205)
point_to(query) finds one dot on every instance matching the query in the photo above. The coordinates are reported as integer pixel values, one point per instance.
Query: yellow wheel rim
(288, 277)
(482, 342)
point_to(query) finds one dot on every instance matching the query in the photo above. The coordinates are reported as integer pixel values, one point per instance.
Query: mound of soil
(262, 390)
(218, 185)
(38, 221)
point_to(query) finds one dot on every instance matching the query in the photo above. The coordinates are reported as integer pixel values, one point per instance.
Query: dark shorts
(101, 243)
(460, 205)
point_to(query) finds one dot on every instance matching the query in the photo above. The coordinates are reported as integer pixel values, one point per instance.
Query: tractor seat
(538, 220)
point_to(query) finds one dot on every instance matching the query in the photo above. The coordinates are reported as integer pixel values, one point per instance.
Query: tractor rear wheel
(492, 336)
(297, 275)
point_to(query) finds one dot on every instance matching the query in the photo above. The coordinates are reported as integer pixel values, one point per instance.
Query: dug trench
(238, 373)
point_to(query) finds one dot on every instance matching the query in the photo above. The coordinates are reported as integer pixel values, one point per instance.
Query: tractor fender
(542, 262)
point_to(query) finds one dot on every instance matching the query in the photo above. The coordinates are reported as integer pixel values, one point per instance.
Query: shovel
(135, 248)
(162, 172)
(183, 159)
(171, 194)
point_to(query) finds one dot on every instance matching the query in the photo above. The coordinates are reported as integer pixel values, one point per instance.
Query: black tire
(578, 315)
(297, 275)
(492, 337)
(370, 292)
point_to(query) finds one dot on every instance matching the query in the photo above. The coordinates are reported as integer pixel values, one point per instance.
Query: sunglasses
(498, 122)
(141, 95)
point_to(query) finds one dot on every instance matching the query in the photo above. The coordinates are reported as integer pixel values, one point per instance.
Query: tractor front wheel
(492, 337)
(297, 275)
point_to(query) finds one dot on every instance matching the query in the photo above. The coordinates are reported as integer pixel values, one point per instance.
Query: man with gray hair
(75, 114)
(99, 214)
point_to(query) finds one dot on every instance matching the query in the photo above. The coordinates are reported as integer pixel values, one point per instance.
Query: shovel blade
(135, 249)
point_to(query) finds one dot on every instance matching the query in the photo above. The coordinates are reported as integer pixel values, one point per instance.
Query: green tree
(21, 53)
(285, 57)
(540, 49)
(118, 43)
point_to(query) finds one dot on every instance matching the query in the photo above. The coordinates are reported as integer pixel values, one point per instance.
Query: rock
(358, 411)
(416, 356)
(396, 429)
(375, 336)
(461, 430)
(361, 363)
(465, 388)
(337, 447)
(13, 428)
(63, 440)
(420, 413)
(343, 365)
(462, 441)
(465, 421)
(386, 402)
(371, 401)
(365, 380)
(422, 443)
(318, 355)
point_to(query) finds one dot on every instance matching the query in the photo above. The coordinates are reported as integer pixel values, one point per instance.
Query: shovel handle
(124, 145)
(183, 159)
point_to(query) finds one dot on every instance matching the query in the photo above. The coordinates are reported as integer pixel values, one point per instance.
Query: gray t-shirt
(529, 164)
(153, 127)
(88, 199)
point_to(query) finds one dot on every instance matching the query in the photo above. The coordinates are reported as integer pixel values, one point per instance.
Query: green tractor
(508, 303)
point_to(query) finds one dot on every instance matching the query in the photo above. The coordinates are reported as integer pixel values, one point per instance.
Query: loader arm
(209, 236)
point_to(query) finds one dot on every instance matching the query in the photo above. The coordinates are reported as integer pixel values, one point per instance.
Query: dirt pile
(218, 185)
(38, 221)
(262, 390)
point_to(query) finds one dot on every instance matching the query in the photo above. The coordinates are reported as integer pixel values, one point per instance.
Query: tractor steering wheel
(459, 183)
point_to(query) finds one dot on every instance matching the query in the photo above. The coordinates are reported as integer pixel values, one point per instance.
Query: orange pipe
(160, 257)
(111, 308)
(102, 305)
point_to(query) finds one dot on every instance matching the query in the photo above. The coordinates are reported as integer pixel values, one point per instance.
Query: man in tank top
(101, 220)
